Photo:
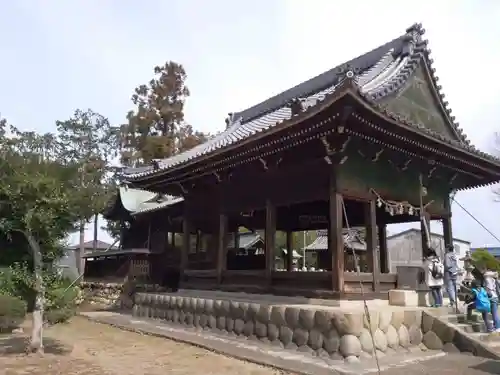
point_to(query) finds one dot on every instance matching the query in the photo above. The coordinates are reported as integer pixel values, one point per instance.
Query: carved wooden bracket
(338, 151)
(183, 189)
(270, 162)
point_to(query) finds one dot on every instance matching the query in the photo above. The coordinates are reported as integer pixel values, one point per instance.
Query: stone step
(472, 327)
(491, 339)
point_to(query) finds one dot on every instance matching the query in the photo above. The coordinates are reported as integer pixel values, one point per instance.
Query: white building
(405, 248)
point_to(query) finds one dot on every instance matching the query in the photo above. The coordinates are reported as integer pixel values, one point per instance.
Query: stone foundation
(320, 332)
(118, 295)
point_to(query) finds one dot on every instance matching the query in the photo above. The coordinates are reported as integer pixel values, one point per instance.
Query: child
(435, 278)
(480, 302)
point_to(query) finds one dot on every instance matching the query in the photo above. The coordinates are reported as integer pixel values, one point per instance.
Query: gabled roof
(321, 241)
(373, 78)
(247, 239)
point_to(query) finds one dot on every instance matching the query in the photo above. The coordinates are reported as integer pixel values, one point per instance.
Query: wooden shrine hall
(368, 143)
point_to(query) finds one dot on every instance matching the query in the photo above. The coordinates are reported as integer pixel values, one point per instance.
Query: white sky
(62, 55)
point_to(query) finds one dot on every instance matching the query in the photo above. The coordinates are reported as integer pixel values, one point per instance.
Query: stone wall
(119, 295)
(325, 333)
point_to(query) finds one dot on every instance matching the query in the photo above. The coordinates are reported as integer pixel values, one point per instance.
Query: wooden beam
(382, 245)
(270, 237)
(221, 247)
(289, 251)
(335, 238)
(371, 242)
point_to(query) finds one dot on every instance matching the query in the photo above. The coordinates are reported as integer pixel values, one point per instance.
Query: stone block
(366, 341)
(300, 336)
(380, 340)
(349, 323)
(239, 325)
(398, 318)
(400, 297)
(286, 335)
(248, 329)
(264, 314)
(221, 323)
(427, 322)
(385, 318)
(315, 340)
(230, 324)
(392, 337)
(331, 341)
(292, 317)
(432, 341)
(415, 334)
(252, 311)
(273, 332)
(444, 331)
(374, 319)
(404, 337)
(260, 329)
(323, 320)
(350, 346)
(306, 319)
(278, 315)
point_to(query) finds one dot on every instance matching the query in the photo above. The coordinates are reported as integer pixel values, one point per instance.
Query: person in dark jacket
(451, 273)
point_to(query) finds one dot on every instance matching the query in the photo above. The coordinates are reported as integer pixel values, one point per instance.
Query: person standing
(451, 273)
(491, 286)
(435, 278)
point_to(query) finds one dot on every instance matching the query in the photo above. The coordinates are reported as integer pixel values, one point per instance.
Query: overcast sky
(59, 55)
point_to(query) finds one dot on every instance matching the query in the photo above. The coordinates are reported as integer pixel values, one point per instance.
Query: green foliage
(12, 312)
(482, 259)
(156, 128)
(88, 142)
(36, 197)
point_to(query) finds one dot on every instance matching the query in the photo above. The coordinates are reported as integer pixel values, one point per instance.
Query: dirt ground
(82, 347)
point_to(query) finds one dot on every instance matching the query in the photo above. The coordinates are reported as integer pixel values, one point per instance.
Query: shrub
(12, 312)
(59, 315)
(60, 304)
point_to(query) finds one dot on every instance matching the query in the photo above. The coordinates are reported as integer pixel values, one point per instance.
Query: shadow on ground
(12, 345)
(488, 367)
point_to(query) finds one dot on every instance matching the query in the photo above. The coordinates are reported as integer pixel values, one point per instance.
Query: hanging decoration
(398, 208)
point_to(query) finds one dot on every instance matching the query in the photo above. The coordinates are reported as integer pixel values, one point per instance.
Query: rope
(475, 219)
(365, 305)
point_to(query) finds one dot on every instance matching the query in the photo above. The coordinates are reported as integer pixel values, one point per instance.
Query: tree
(36, 200)
(88, 141)
(156, 128)
(482, 259)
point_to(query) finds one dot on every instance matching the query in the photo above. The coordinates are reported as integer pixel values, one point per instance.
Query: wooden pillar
(173, 239)
(447, 230)
(270, 237)
(371, 242)
(221, 247)
(289, 251)
(186, 240)
(382, 245)
(335, 238)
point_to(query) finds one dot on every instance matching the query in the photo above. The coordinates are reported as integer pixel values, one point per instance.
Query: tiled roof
(246, 239)
(376, 75)
(321, 241)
